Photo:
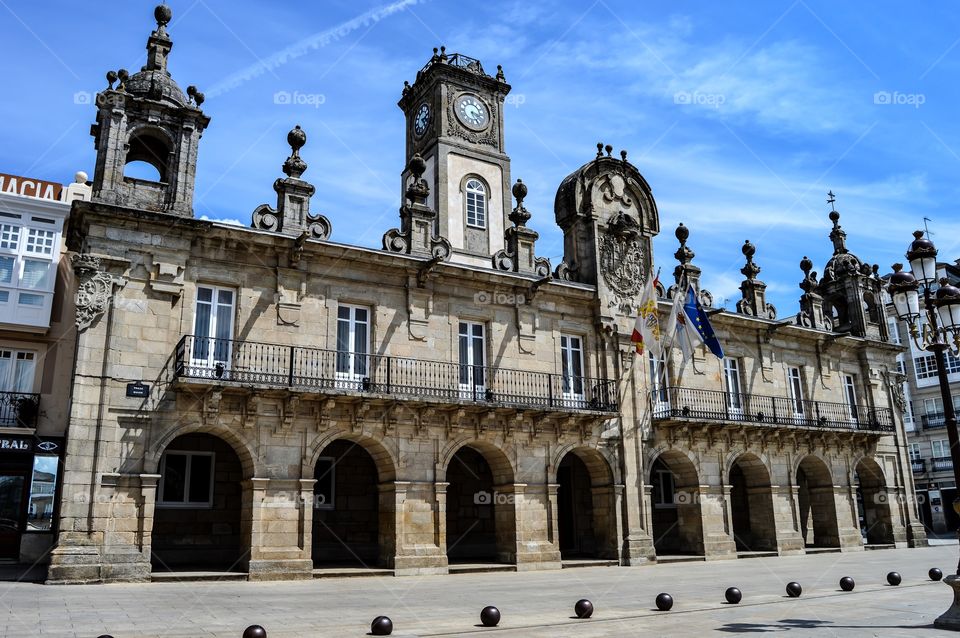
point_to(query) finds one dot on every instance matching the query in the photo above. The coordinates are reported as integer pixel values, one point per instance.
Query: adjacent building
(37, 341)
(268, 401)
(924, 419)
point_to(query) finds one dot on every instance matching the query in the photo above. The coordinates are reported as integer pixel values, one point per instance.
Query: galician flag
(646, 329)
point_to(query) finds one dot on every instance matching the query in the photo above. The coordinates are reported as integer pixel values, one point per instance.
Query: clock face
(421, 120)
(471, 112)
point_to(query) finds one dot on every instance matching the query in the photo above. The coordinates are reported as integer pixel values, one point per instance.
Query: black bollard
(664, 602)
(490, 616)
(847, 583)
(381, 626)
(935, 573)
(254, 631)
(733, 595)
(894, 578)
(794, 589)
(583, 608)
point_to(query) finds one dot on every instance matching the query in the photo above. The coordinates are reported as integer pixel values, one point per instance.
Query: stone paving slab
(534, 604)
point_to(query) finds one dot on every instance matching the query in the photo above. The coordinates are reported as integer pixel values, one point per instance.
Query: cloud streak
(310, 43)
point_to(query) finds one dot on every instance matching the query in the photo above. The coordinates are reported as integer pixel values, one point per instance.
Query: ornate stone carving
(415, 235)
(518, 256)
(622, 259)
(564, 271)
(896, 380)
(754, 300)
(454, 129)
(94, 290)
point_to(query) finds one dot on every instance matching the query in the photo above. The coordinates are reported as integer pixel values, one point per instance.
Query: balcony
(688, 404)
(919, 466)
(933, 420)
(327, 372)
(19, 409)
(941, 464)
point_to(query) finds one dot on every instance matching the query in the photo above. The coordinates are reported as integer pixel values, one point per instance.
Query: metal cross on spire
(830, 200)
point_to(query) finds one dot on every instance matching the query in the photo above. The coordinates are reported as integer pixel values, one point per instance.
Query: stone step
(192, 577)
(822, 550)
(349, 572)
(479, 568)
(880, 546)
(571, 564)
(756, 554)
(679, 558)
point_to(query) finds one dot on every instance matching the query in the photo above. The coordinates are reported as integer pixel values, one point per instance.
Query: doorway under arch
(677, 520)
(873, 507)
(586, 502)
(817, 504)
(480, 516)
(751, 505)
(197, 519)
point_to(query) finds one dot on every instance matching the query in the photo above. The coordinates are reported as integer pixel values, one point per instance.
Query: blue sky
(740, 115)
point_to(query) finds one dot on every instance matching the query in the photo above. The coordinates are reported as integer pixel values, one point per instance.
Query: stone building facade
(266, 400)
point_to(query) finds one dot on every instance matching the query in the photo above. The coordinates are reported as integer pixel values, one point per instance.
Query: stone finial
(609, 149)
(159, 43)
(599, 149)
(750, 270)
(623, 155)
(500, 76)
(162, 13)
(111, 78)
(685, 271)
(122, 77)
(443, 53)
(837, 235)
(418, 190)
(519, 215)
(294, 166)
(195, 95)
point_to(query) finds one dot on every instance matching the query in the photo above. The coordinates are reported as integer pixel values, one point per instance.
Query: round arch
(241, 447)
(873, 502)
(382, 456)
(600, 466)
(816, 502)
(676, 515)
(751, 503)
(586, 521)
(498, 459)
(151, 145)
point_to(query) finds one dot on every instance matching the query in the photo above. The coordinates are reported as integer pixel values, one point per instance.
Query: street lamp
(934, 328)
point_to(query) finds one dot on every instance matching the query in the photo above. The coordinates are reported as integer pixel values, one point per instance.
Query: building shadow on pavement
(801, 623)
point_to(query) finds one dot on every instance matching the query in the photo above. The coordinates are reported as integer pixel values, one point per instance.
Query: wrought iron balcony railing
(933, 420)
(941, 464)
(919, 466)
(19, 409)
(714, 405)
(332, 371)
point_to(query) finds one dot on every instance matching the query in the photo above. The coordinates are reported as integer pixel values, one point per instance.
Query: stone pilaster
(788, 539)
(532, 507)
(274, 516)
(717, 542)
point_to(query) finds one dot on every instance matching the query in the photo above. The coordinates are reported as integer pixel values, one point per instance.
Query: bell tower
(454, 116)
(147, 118)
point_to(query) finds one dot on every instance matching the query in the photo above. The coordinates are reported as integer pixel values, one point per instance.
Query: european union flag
(701, 324)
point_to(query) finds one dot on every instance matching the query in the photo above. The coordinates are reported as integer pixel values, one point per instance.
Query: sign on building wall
(29, 187)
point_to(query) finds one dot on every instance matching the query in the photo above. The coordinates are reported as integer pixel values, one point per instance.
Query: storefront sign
(27, 187)
(15, 444)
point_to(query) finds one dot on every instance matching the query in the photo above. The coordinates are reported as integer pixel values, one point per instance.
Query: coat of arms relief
(624, 262)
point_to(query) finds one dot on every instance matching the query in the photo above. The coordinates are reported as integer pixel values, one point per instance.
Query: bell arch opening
(148, 156)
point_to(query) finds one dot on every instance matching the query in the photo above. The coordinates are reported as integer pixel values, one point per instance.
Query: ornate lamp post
(935, 328)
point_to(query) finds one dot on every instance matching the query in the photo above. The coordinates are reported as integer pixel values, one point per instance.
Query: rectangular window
(914, 451)
(926, 366)
(4, 296)
(941, 448)
(894, 329)
(325, 474)
(35, 274)
(472, 360)
(476, 201)
(213, 326)
(664, 489)
(186, 479)
(353, 342)
(731, 375)
(30, 299)
(40, 242)
(43, 488)
(9, 236)
(658, 382)
(850, 391)
(571, 360)
(7, 265)
(17, 368)
(796, 391)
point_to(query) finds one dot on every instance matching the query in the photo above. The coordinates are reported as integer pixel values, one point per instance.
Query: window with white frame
(850, 392)
(795, 383)
(472, 359)
(186, 479)
(731, 375)
(571, 364)
(658, 380)
(914, 449)
(476, 203)
(29, 246)
(941, 448)
(926, 366)
(353, 341)
(893, 329)
(213, 326)
(17, 369)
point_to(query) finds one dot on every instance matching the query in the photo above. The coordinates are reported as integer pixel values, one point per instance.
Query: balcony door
(472, 360)
(213, 328)
(17, 368)
(571, 363)
(850, 392)
(734, 388)
(658, 385)
(353, 345)
(795, 384)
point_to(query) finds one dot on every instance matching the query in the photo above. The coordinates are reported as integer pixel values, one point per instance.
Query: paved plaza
(533, 603)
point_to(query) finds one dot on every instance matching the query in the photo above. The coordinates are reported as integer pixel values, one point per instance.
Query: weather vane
(830, 200)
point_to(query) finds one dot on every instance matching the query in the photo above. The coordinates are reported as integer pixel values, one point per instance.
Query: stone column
(528, 533)
(553, 518)
(420, 514)
(274, 517)
(788, 539)
(717, 541)
(848, 521)
(606, 519)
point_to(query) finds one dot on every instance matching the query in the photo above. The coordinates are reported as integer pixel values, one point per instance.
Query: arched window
(476, 203)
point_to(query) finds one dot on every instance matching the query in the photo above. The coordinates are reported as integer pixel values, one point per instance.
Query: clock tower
(454, 115)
